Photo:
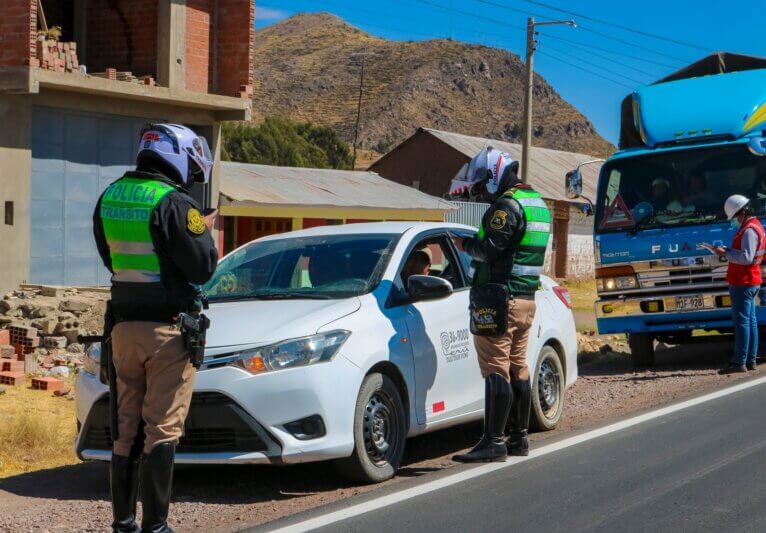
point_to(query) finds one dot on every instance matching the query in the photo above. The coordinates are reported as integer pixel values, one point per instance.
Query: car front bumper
(237, 417)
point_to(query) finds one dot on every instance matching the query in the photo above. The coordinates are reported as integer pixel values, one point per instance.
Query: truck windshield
(678, 188)
(317, 267)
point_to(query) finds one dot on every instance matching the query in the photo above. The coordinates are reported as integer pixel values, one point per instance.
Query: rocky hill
(307, 68)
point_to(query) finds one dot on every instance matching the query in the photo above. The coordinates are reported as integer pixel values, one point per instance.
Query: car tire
(379, 432)
(548, 388)
(641, 349)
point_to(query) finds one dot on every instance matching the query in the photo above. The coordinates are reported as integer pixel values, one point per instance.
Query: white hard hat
(178, 146)
(734, 204)
(488, 161)
(661, 181)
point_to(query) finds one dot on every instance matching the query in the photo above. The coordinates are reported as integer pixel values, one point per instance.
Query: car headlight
(291, 353)
(619, 283)
(92, 361)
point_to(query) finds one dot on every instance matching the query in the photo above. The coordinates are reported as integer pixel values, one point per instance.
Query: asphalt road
(698, 469)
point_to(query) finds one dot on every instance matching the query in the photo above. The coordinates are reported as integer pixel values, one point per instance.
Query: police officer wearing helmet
(508, 255)
(151, 235)
(744, 278)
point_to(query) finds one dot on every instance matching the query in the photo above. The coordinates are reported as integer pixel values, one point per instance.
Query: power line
(567, 54)
(620, 26)
(601, 49)
(605, 58)
(595, 32)
(551, 56)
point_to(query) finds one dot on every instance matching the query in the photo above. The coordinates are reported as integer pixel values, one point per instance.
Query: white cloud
(266, 13)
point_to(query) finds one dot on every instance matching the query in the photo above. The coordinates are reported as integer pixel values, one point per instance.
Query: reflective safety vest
(529, 256)
(747, 275)
(126, 210)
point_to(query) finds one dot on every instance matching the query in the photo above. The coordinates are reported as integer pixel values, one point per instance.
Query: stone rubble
(58, 315)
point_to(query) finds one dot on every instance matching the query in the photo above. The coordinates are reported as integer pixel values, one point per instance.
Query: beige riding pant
(507, 354)
(154, 381)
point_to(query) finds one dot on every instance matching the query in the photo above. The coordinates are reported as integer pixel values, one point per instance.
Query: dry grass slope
(307, 68)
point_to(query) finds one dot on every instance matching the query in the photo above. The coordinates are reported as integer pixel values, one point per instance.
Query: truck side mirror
(573, 184)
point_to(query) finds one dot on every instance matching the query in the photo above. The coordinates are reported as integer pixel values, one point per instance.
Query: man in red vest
(744, 279)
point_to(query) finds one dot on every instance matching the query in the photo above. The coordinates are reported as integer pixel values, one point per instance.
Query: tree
(280, 141)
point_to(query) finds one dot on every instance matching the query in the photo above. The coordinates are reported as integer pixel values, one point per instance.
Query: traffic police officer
(152, 237)
(508, 251)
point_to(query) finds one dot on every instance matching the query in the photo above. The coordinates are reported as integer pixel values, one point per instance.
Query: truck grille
(215, 424)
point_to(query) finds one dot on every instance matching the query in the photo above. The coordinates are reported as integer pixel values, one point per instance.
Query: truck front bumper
(634, 315)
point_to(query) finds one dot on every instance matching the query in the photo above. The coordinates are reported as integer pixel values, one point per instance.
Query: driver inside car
(418, 263)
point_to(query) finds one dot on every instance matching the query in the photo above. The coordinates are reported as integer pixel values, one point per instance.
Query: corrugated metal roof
(547, 167)
(288, 186)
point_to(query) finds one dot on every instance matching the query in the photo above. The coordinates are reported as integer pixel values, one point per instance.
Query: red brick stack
(11, 369)
(58, 56)
(24, 339)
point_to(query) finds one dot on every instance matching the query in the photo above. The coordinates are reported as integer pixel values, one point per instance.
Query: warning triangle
(617, 215)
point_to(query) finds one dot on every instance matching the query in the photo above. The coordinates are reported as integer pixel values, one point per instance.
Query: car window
(432, 257)
(326, 266)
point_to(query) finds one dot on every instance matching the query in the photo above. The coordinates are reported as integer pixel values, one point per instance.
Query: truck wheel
(379, 432)
(641, 349)
(548, 387)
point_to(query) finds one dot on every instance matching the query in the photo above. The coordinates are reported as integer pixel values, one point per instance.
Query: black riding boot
(517, 429)
(123, 482)
(156, 484)
(497, 401)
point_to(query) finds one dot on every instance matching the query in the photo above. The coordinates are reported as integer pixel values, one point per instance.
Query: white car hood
(261, 322)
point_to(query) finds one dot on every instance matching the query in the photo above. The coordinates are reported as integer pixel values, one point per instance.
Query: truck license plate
(690, 302)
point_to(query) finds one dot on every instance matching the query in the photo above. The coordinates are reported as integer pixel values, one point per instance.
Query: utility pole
(358, 105)
(526, 134)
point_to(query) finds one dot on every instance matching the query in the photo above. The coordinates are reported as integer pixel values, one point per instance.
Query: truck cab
(688, 142)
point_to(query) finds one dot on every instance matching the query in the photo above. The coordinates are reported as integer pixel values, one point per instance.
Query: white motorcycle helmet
(491, 166)
(185, 152)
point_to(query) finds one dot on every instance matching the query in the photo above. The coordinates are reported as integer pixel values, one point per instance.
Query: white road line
(459, 477)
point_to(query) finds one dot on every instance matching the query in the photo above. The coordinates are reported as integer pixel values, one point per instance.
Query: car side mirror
(573, 184)
(423, 288)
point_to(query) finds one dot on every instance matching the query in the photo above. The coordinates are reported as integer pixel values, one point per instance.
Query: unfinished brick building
(73, 100)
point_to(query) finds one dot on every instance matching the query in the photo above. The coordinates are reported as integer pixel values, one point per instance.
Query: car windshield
(678, 188)
(319, 267)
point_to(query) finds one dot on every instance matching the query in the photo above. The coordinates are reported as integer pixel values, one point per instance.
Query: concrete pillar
(171, 43)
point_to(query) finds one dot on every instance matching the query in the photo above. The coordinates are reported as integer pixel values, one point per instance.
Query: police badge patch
(499, 219)
(194, 222)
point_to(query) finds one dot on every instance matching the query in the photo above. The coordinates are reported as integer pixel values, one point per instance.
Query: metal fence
(468, 213)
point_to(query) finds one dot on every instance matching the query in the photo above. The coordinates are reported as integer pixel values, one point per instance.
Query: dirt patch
(75, 498)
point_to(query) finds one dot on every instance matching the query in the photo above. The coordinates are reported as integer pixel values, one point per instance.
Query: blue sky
(626, 58)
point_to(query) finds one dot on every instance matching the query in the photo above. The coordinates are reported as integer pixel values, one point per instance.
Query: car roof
(397, 228)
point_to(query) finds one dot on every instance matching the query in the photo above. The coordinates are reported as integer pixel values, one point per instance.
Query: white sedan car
(320, 350)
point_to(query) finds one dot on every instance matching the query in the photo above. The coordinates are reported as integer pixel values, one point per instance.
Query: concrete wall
(15, 170)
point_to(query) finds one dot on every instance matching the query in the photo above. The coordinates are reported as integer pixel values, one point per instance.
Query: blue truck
(687, 142)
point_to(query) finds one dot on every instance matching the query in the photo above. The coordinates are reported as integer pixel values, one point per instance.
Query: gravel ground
(75, 498)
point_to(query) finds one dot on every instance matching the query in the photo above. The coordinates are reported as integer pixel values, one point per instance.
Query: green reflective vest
(529, 257)
(126, 210)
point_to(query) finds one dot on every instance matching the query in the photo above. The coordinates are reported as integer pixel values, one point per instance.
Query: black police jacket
(187, 259)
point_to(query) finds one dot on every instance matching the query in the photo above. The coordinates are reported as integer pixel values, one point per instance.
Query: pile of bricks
(118, 75)
(58, 56)
(16, 343)
(24, 339)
